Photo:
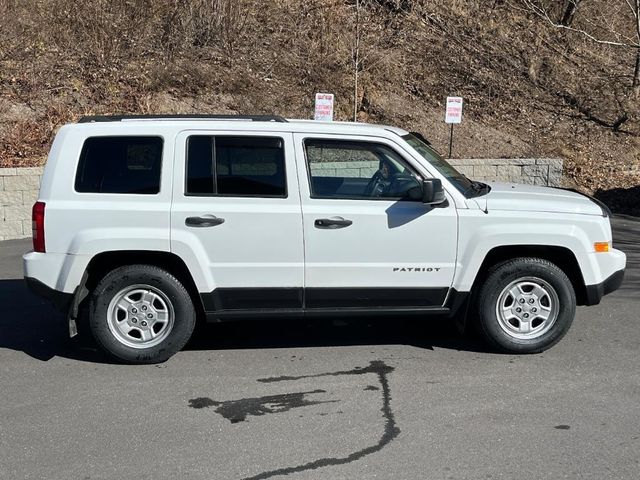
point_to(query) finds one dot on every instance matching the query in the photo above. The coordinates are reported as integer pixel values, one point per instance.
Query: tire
(526, 305)
(141, 314)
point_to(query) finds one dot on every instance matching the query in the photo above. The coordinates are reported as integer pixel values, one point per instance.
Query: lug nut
(518, 309)
(144, 307)
(134, 320)
(149, 315)
(531, 300)
(522, 300)
(526, 315)
(534, 309)
(143, 323)
(134, 310)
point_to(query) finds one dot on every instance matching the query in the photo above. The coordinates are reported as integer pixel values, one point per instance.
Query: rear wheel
(525, 305)
(141, 314)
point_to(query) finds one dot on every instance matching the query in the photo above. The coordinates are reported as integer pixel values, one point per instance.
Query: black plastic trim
(230, 315)
(232, 303)
(251, 298)
(611, 283)
(374, 297)
(61, 300)
(458, 301)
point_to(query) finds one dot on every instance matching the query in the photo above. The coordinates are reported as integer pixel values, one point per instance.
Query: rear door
(367, 244)
(236, 216)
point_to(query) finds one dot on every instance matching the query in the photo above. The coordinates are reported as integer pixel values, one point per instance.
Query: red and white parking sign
(454, 110)
(324, 107)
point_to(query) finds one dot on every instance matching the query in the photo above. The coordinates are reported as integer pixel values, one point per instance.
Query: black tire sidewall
(508, 272)
(114, 282)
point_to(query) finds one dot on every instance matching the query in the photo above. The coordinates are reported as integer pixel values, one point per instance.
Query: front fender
(480, 233)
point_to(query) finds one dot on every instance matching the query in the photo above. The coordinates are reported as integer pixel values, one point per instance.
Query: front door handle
(332, 223)
(203, 221)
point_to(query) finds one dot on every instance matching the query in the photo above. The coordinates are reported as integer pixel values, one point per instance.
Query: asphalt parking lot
(395, 399)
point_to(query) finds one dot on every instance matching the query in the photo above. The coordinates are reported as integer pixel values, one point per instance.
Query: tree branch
(543, 14)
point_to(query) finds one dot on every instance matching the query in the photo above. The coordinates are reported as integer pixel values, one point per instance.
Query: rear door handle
(332, 223)
(203, 221)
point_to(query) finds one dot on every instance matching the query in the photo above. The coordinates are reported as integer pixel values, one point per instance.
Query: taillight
(37, 226)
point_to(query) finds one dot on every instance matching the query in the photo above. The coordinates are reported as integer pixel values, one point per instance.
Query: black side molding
(252, 299)
(373, 297)
(225, 304)
(596, 292)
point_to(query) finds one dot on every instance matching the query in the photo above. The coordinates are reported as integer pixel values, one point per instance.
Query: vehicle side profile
(156, 222)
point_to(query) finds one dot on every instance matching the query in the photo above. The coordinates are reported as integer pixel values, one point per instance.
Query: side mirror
(432, 192)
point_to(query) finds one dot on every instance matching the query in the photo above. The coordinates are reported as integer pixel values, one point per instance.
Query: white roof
(291, 125)
(349, 125)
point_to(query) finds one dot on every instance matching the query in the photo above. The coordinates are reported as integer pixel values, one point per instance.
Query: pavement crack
(391, 430)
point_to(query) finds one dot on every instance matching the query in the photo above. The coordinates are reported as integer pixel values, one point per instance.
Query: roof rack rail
(119, 118)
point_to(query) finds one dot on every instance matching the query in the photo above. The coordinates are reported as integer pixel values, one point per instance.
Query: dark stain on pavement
(391, 430)
(371, 387)
(562, 427)
(237, 410)
(201, 402)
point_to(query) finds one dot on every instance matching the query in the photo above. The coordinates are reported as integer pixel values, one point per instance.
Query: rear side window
(120, 165)
(235, 166)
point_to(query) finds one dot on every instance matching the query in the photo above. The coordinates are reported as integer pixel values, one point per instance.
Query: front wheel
(141, 314)
(526, 305)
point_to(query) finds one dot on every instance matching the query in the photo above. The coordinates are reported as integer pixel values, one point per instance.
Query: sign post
(324, 107)
(452, 116)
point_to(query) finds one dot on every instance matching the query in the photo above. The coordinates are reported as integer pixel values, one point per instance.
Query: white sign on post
(324, 107)
(454, 110)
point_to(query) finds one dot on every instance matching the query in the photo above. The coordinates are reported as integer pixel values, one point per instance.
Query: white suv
(154, 222)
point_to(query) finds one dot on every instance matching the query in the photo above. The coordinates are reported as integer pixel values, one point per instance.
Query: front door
(367, 241)
(236, 214)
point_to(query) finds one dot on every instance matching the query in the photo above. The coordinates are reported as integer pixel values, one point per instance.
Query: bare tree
(356, 61)
(611, 27)
(370, 48)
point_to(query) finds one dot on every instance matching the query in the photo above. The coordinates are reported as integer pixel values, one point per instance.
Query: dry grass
(529, 90)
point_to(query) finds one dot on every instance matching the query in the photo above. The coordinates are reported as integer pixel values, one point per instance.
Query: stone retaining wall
(18, 191)
(531, 171)
(19, 186)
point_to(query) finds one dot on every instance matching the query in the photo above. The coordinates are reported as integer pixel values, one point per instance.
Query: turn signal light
(602, 247)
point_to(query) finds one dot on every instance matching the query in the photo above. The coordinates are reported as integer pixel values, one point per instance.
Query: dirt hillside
(531, 88)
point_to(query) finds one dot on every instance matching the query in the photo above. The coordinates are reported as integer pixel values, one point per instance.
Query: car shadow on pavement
(425, 333)
(626, 237)
(31, 325)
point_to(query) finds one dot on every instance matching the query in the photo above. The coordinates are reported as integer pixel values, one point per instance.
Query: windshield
(458, 180)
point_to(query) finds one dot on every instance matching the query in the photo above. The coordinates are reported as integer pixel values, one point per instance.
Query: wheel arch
(105, 262)
(562, 257)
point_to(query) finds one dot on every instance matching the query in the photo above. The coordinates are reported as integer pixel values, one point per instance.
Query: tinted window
(345, 169)
(244, 166)
(120, 165)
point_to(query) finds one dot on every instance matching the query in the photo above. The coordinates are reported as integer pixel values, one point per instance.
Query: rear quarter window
(120, 165)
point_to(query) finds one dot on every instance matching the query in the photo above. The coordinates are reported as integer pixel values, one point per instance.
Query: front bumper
(61, 300)
(611, 283)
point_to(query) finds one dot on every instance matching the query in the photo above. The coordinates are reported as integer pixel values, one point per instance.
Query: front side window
(359, 170)
(235, 166)
(120, 165)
